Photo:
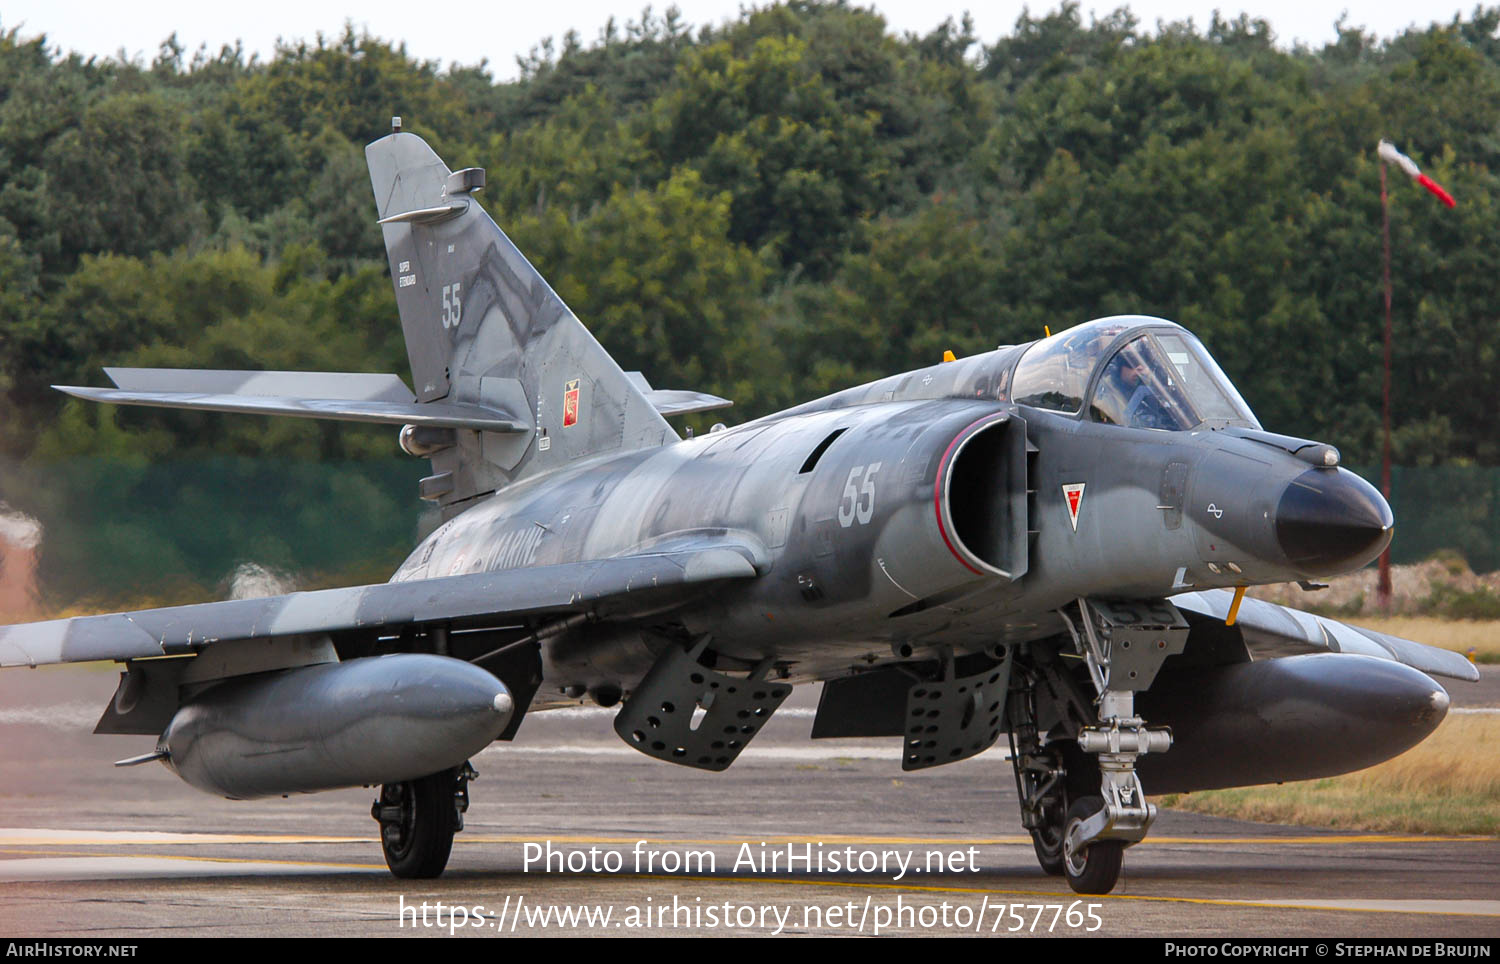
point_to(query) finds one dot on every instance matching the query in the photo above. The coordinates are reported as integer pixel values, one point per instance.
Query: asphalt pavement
(572, 832)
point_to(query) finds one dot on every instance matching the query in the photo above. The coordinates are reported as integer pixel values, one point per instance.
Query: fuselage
(922, 511)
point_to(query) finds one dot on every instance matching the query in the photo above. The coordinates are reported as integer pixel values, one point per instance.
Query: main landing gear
(1058, 785)
(1081, 798)
(418, 819)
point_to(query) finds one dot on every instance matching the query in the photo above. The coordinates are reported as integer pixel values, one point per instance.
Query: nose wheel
(1093, 868)
(418, 819)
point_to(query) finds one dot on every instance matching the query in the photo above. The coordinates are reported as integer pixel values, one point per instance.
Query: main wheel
(417, 824)
(1048, 843)
(1047, 840)
(1081, 773)
(1096, 868)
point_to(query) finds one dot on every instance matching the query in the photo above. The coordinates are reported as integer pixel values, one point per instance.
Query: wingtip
(80, 391)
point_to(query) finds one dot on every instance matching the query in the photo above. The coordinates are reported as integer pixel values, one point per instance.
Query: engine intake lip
(953, 526)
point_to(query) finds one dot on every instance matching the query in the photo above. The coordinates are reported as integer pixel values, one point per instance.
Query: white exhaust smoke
(20, 541)
(250, 580)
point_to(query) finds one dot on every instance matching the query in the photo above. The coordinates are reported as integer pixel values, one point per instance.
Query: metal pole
(1383, 592)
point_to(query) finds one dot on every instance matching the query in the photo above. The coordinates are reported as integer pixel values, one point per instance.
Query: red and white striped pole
(1389, 155)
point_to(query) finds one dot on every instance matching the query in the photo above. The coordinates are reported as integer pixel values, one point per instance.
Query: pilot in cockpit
(1125, 395)
(1142, 410)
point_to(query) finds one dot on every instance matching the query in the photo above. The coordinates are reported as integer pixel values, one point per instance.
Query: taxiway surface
(87, 850)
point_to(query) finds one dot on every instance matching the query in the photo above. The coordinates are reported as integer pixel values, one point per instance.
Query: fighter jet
(1047, 543)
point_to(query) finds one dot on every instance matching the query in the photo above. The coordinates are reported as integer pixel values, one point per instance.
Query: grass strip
(1447, 784)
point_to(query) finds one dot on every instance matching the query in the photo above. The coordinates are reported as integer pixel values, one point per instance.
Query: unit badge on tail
(1073, 495)
(570, 403)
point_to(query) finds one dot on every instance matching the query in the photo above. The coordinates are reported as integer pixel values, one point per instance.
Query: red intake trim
(937, 491)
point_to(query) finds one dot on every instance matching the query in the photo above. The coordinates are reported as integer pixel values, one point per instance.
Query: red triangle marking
(1073, 494)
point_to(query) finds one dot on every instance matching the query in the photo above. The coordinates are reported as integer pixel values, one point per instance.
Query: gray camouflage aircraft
(1047, 542)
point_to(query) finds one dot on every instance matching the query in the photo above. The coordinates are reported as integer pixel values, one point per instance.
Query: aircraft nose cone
(1329, 522)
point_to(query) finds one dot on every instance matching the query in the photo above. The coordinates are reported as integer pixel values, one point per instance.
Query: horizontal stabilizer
(366, 386)
(1270, 630)
(604, 587)
(339, 396)
(676, 402)
(670, 402)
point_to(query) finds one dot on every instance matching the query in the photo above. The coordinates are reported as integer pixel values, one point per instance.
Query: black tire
(1097, 869)
(1047, 840)
(1082, 775)
(417, 843)
(1048, 844)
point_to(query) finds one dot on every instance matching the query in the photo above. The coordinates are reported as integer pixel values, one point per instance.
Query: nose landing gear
(1093, 868)
(1081, 798)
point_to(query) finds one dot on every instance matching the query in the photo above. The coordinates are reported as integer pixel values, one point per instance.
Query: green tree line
(771, 209)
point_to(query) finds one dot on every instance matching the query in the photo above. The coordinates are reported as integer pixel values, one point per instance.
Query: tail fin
(483, 327)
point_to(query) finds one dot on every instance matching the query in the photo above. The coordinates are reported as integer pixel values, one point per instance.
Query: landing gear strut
(1074, 756)
(418, 819)
(1124, 645)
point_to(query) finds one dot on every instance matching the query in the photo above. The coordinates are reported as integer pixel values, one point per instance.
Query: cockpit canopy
(1135, 371)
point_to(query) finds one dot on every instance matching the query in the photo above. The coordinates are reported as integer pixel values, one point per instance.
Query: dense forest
(771, 209)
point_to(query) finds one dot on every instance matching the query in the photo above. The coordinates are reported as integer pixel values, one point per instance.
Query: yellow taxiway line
(42, 837)
(1017, 840)
(331, 865)
(14, 836)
